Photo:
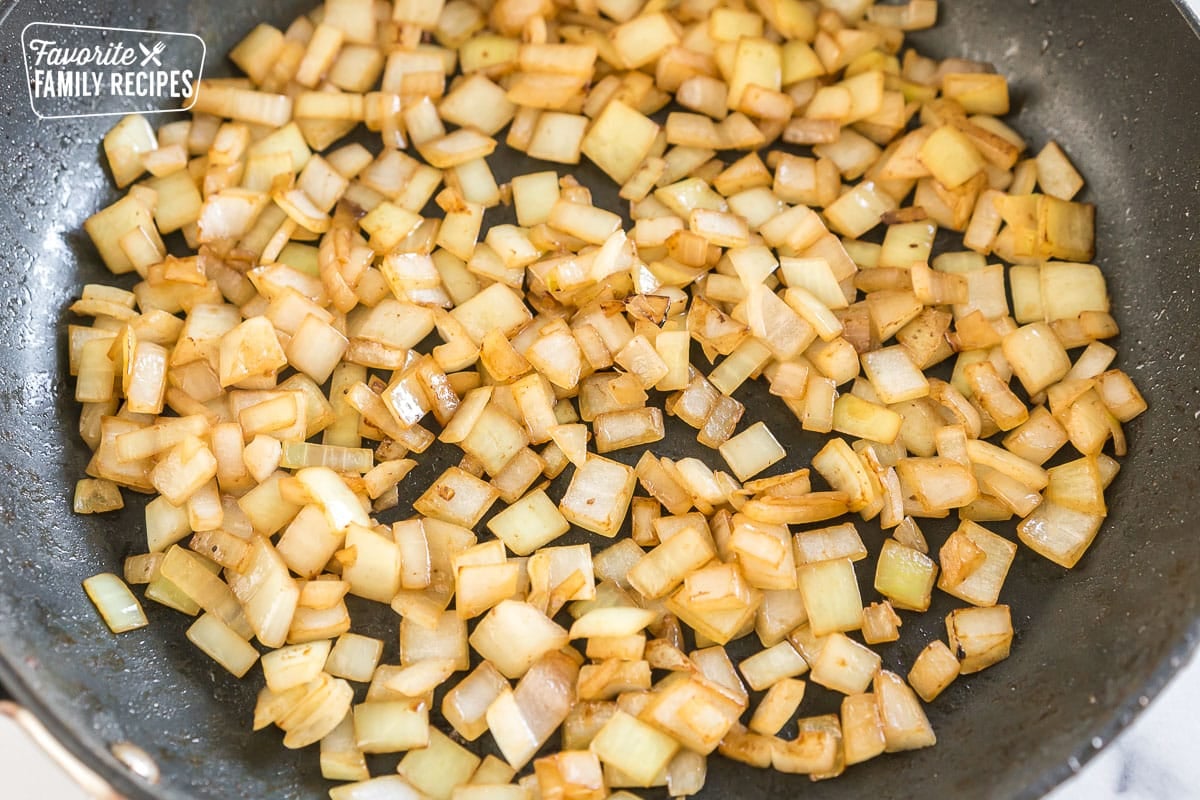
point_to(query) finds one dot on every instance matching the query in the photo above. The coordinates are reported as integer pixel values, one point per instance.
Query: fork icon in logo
(152, 55)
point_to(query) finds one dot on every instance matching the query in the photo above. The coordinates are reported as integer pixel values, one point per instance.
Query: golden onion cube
(571, 773)
(269, 707)
(296, 455)
(893, 375)
(1078, 485)
(613, 563)
(862, 729)
(845, 471)
(622, 429)
(880, 623)
(937, 484)
(666, 566)
(634, 748)
(465, 705)
(986, 454)
(1059, 533)
(715, 665)
(267, 593)
(686, 774)
(196, 578)
(934, 669)
(126, 146)
(557, 137)
(115, 602)
(492, 771)
(439, 767)
(979, 581)
(619, 648)
(372, 565)
(778, 614)
(844, 665)
(774, 664)
(717, 588)
(776, 324)
(495, 439)
(341, 759)
(752, 451)
(1068, 290)
(96, 497)
(514, 635)
(391, 726)
(223, 645)
(905, 576)
(907, 532)
(864, 419)
(531, 522)
(905, 726)
(951, 157)
(354, 657)
(521, 720)
(415, 679)
(308, 542)
(1120, 395)
(979, 637)
(108, 227)
(858, 211)
(598, 496)
(457, 497)
(960, 556)
(831, 595)
(481, 586)
(994, 395)
(777, 707)
(184, 470)
(519, 474)
(692, 711)
(797, 510)
(1037, 357)
(825, 544)
(977, 93)
(141, 569)
(585, 721)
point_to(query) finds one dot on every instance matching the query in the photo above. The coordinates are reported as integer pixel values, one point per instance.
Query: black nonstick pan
(1117, 83)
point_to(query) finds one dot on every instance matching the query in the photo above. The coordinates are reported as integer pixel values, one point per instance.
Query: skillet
(1117, 84)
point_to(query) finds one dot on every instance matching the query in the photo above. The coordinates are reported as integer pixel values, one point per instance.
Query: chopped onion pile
(276, 388)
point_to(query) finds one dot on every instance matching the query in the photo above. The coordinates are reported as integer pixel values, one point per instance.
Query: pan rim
(1192, 15)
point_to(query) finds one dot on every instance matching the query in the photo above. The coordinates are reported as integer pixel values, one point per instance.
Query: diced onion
(115, 602)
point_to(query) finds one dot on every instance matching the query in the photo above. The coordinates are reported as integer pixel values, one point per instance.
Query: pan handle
(91, 783)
